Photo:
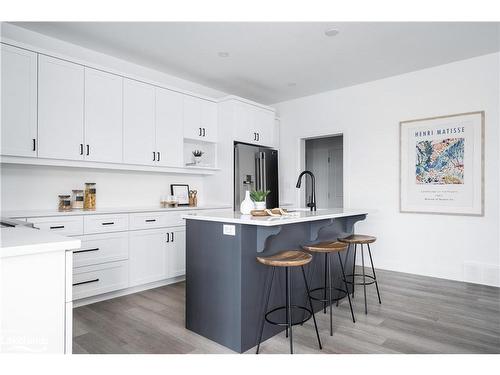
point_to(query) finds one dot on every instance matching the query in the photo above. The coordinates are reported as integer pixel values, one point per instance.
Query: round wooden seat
(358, 239)
(326, 247)
(288, 258)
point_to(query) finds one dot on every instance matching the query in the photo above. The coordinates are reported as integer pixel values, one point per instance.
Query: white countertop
(26, 241)
(299, 216)
(105, 211)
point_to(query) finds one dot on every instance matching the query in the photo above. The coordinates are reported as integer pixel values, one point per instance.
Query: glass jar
(64, 203)
(89, 196)
(77, 202)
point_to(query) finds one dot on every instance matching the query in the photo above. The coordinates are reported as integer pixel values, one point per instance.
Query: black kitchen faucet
(312, 199)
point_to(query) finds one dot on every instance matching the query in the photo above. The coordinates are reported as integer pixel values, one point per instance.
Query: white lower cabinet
(100, 278)
(176, 253)
(157, 254)
(101, 248)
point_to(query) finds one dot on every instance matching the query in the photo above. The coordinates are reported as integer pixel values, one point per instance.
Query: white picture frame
(442, 164)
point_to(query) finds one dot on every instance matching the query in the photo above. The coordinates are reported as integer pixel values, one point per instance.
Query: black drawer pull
(172, 236)
(86, 282)
(85, 251)
(58, 227)
(150, 220)
(110, 223)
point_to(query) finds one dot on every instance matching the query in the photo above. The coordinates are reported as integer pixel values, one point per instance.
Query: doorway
(325, 158)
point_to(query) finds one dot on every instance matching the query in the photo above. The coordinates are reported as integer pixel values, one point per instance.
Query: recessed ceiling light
(331, 32)
(291, 84)
(223, 54)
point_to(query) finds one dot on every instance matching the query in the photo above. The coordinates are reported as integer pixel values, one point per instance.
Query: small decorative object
(89, 200)
(259, 197)
(181, 192)
(197, 156)
(247, 204)
(77, 202)
(64, 203)
(267, 212)
(442, 163)
(169, 201)
(193, 198)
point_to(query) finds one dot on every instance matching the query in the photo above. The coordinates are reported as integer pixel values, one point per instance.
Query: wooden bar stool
(328, 248)
(287, 259)
(360, 239)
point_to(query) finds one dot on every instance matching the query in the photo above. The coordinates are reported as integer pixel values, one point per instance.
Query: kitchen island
(225, 284)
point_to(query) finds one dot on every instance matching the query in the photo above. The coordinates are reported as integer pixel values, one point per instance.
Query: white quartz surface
(22, 240)
(297, 216)
(106, 211)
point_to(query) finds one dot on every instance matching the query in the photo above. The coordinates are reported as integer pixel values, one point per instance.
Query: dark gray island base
(225, 286)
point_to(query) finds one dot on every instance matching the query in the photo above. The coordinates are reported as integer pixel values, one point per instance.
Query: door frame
(301, 148)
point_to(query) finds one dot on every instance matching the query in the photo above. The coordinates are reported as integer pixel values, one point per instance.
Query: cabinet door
(169, 133)
(176, 252)
(103, 116)
(264, 126)
(19, 76)
(147, 256)
(209, 120)
(138, 123)
(60, 109)
(200, 119)
(244, 123)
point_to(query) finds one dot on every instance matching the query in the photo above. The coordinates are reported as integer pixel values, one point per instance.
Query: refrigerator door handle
(257, 173)
(264, 174)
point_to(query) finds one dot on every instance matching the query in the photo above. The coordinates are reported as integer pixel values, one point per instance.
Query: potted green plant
(259, 198)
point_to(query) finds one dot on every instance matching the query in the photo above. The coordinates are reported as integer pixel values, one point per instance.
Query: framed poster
(181, 192)
(442, 164)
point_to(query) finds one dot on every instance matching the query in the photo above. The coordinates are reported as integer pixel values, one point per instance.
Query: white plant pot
(197, 159)
(246, 205)
(260, 205)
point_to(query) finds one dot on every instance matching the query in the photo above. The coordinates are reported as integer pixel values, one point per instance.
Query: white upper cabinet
(200, 119)
(169, 131)
(60, 109)
(103, 116)
(254, 124)
(19, 102)
(138, 123)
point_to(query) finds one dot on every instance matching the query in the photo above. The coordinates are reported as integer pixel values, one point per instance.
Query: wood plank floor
(418, 315)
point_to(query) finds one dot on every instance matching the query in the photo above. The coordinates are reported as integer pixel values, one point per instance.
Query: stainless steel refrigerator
(255, 168)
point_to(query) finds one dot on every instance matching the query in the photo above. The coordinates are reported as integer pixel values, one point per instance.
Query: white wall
(28, 187)
(25, 187)
(453, 247)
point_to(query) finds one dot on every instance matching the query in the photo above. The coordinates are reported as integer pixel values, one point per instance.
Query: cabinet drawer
(101, 248)
(66, 226)
(156, 220)
(105, 223)
(102, 278)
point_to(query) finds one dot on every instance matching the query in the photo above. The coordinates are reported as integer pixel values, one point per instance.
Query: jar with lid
(64, 203)
(77, 202)
(89, 196)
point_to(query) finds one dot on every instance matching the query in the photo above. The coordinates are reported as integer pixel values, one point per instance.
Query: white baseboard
(124, 292)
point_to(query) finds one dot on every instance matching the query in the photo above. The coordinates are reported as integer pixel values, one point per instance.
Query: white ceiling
(265, 57)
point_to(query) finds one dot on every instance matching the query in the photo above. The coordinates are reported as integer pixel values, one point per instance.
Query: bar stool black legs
(357, 239)
(289, 306)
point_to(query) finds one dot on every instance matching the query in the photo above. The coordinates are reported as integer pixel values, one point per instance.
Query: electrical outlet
(228, 230)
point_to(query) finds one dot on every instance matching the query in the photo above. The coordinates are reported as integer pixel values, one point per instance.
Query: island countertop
(298, 215)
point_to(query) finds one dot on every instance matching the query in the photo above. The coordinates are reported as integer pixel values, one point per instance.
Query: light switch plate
(228, 230)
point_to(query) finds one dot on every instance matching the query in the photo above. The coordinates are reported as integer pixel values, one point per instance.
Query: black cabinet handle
(158, 155)
(204, 132)
(150, 220)
(200, 132)
(85, 251)
(254, 136)
(88, 150)
(154, 156)
(57, 227)
(258, 136)
(172, 236)
(81, 148)
(109, 223)
(86, 282)
(34, 144)
(168, 237)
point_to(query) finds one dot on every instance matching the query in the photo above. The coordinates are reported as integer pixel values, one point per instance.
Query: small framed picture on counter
(181, 192)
